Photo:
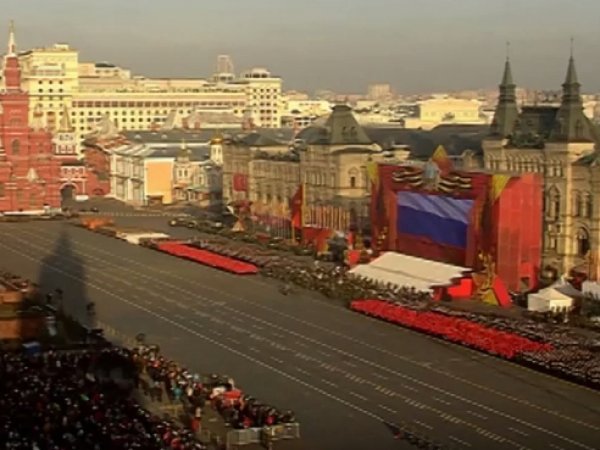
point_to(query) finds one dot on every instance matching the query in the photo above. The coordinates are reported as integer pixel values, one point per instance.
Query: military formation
(574, 353)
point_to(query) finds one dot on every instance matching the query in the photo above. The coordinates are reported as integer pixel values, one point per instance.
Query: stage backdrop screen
(439, 219)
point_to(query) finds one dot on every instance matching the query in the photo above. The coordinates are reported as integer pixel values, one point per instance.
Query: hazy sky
(416, 45)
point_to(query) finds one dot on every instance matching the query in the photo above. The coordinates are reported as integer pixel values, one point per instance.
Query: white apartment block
(131, 110)
(264, 97)
(51, 77)
(442, 109)
(302, 113)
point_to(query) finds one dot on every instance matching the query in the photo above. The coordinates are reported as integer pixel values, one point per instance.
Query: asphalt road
(342, 373)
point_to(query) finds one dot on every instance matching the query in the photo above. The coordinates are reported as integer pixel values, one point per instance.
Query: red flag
(296, 203)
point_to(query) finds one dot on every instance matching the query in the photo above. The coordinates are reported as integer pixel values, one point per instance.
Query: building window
(353, 173)
(578, 205)
(553, 203)
(16, 147)
(583, 242)
(2, 191)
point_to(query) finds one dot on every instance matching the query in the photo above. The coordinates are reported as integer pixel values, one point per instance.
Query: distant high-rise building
(225, 70)
(225, 64)
(380, 92)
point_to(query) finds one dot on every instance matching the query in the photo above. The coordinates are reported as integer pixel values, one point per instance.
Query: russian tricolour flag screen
(442, 220)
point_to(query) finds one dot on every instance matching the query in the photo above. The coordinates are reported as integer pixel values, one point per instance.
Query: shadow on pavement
(63, 281)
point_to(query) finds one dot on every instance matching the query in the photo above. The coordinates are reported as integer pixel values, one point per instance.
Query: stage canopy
(410, 271)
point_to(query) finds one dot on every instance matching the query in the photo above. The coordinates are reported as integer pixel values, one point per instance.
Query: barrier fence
(264, 436)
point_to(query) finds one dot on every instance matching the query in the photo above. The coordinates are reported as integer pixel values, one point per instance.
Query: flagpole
(293, 228)
(303, 205)
(302, 210)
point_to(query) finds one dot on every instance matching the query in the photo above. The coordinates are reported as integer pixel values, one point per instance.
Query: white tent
(405, 270)
(591, 288)
(558, 297)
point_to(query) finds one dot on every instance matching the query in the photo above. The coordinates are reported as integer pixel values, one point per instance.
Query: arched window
(583, 242)
(553, 203)
(577, 205)
(353, 177)
(16, 147)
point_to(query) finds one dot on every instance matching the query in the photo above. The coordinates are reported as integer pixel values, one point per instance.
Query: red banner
(296, 203)
(240, 182)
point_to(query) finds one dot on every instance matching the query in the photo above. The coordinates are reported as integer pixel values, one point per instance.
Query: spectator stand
(234, 420)
(79, 399)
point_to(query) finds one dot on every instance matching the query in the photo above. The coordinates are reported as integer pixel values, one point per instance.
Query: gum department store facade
(561, 143)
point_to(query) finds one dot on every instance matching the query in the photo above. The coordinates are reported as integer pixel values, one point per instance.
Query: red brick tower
(29, 173)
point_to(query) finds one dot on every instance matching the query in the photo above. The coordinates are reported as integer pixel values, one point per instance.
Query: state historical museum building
(36, 168)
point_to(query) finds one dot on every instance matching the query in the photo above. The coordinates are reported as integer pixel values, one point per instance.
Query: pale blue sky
(417, 45)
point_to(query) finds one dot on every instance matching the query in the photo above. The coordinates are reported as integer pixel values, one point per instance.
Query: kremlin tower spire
(12, 71)
(12, 43)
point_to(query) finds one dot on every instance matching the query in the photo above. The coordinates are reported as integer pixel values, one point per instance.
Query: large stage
(461, 218)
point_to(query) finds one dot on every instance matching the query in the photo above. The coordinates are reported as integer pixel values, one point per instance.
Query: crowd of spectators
(79, 400)
(180, 385)
(83, 400)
